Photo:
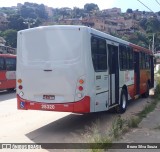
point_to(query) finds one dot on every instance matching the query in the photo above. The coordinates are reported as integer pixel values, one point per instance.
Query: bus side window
(10, 64)
(123, 57)
(99, 54)
(2, 66)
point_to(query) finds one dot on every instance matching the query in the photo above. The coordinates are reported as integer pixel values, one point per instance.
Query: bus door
(113, 73)
(2, 73)
(99, 58)
(136, 73)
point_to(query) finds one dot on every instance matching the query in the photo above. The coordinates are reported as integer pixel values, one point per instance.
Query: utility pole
(153, 43)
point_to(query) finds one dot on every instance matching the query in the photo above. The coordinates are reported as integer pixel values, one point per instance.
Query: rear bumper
(82, 106)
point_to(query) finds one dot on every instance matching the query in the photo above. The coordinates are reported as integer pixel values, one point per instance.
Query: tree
(11, 37)
(16, 22)
(33, 10)
(142, 23)
(89, 7)
(77, 12)
(41, 12)
(27, 12)
(129, 10)
(8, 10)
(153, 25)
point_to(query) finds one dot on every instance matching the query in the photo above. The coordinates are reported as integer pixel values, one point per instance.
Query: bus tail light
(20, 87)
(81, 81)
(80, 88)
(19, 81)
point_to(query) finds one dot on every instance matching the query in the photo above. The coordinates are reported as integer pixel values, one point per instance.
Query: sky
(102, 4)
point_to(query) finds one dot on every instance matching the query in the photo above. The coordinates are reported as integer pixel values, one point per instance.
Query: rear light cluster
(80, 88)
(20, 87)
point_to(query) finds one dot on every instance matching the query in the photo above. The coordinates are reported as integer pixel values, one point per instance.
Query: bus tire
(146, 94)
(121, 108)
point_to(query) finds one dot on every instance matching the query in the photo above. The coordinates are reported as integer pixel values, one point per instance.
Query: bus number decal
(45, 106)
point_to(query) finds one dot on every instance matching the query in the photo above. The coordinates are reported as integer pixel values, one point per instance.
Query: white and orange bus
(7, 72)
(79, 69)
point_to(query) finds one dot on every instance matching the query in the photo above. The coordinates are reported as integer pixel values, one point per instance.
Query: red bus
(7, 72)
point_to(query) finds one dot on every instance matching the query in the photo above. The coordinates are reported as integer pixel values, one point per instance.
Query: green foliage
(153, 25)
(129, 10)
(77, 12)
(33, 10)
(8, 10)
(117, 127)
(11, 37)
(133, 122)
(142, 23)
(89, 7)
(157, 89)
(16, 22)
(158, 127)
(149, 108)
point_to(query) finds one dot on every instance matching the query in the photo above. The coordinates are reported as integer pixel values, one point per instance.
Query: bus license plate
(49, 97)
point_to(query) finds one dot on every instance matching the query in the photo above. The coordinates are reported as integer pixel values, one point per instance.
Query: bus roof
(94, 32)
(7, 55)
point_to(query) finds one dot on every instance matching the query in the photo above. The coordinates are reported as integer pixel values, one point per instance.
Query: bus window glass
(123, 57)
(99, 54)
(11, 64)
(147, 60)
(2, 67)
(130, 61)
(142, 61)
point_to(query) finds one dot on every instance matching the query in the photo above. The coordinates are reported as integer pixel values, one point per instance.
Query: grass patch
(157, 128)
(133, 122)
(149, 108)
(117, 127)
(97, 139)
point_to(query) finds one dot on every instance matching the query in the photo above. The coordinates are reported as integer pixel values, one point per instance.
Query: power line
(157, 2)
(145, 5)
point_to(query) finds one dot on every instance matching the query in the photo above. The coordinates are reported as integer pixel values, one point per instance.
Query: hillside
(135, 26)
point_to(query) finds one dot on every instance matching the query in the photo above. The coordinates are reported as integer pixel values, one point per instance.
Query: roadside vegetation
(120, 126)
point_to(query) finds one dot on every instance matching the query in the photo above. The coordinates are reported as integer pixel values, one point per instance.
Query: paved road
(52, 127)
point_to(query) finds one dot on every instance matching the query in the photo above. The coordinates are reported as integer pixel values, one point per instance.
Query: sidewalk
(147, 132)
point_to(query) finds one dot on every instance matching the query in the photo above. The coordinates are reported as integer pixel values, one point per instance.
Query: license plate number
(49, 97)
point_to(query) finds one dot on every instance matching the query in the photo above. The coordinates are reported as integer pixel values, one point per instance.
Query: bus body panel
(54, 73)
(7, 71)
(82, 106)
(3, 80)
(145, 76)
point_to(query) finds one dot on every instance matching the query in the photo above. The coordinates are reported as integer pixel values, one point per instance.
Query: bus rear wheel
(121, 108)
